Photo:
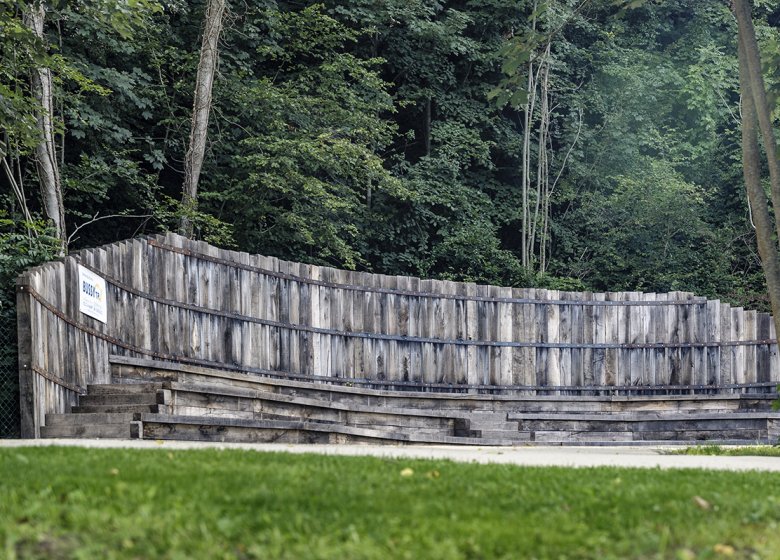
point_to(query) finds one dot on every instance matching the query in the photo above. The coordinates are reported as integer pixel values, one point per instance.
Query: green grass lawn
(741, 450)
(60, 502)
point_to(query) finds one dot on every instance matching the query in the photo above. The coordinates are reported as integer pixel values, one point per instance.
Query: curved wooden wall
(174, 299)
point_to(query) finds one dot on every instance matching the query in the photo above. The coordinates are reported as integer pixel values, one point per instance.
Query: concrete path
(640, 457)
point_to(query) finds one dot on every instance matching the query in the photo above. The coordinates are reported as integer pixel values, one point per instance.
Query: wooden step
(88, 418)
(112, 408)
(199, 428)
(123, 388)
(156, 397)
(112, 431)
(139, 370)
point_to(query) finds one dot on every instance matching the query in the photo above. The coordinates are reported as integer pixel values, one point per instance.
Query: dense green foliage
(394, 136)
(21, 246)
(87, 503)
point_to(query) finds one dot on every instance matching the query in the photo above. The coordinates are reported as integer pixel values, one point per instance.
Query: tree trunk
(751, 165)
(750, 62)
(207, 67)
(45, 151)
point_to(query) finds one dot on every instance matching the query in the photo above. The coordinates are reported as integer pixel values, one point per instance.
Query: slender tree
(756, 115)
(201, 108)
(45, 151)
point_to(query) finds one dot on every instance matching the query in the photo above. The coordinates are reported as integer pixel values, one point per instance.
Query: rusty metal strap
(378, 336)
(59, 381)
(88, 330)
(411, 293)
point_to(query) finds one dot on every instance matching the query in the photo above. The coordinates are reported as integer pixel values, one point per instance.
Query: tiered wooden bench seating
(163, 400)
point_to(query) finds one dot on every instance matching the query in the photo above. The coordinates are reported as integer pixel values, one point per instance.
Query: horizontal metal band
(59, 381)
(410, 293)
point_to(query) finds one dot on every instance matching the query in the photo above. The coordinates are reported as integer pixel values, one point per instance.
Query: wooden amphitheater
(188, 341)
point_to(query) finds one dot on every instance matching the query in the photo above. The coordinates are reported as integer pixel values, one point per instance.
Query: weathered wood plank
(738, 352)
(553, 324)
(473, 375)
(157, 327)
(713, 335)
(750, 333)
(726, 335)
(565, 337)
(598, 361)
(612, 335)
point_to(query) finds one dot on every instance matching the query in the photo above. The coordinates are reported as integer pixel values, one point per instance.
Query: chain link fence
(9, 376)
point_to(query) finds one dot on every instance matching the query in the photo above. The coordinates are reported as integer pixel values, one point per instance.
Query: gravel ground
(561, 456)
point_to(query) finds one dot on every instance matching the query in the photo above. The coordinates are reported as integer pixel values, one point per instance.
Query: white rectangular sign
(92, 295)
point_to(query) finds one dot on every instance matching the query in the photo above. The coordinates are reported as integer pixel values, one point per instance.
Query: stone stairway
(159, 400)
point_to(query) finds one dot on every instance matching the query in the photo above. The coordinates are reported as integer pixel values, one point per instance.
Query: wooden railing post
(28, 398)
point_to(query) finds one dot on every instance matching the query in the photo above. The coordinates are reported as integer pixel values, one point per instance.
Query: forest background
(568, 144)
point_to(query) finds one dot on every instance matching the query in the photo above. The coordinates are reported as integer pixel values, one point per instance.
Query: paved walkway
(640, 457)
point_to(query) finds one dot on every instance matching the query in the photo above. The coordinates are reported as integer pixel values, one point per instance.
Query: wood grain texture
(175, 299)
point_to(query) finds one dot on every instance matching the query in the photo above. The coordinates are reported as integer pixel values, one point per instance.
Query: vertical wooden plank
(460, 352)
(598, 361)
(340, 322)
(28, 389)
(712, 353)
(762, 351)
(661, 336)
(699, 338)
(519, 334)
(245, 308)
(564, 337)
(283, 316)
(627, 318)
(673, 328)
(612, 338)
(687, 318)
(366, 309)
(774, 355)
(553, 325)
(305, 319)
(416, 372)
(582, 333)
(326, 321)
(473, 375)
(647, 336)
(391, 311)
(449, 333)
(257, 310)
(294, 288)
(540, 326)
(636, 335)
(402, 312)
(738, 351)
(315, 342)
(750, 326)
(726, 335)
(504, 334)
(480, 330)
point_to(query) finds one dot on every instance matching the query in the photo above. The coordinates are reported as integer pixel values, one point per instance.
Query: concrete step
(88, 418)
(123, 388)
(113, 431)
(122, 398)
